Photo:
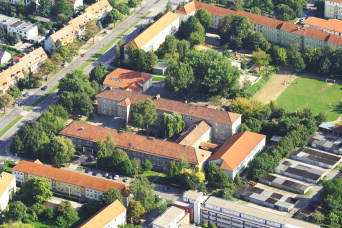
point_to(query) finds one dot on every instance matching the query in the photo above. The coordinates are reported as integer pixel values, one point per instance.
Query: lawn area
(80, 168)
(152, 175)
(311, 93)
(156, 78)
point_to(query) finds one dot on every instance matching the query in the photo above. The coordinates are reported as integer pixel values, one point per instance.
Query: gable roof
(174, 106)
(105, 215)
(136, 142)
(264, 21)
(5, 180)
(126, 79)
(17, 70)
(194, 133)
(331, 24)
(152, 31)
(38, 169)
(236, 149)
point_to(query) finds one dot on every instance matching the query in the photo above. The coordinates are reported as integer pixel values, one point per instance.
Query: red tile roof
(105, 215)
(129, 80)
(236, 149)
(174, 106)
(78, 179)
(136, 142)
(331, 24)
(194, 133)
(265, 21)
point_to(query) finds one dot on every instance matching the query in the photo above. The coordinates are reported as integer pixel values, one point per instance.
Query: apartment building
(128, 80)
(235, 154)
(276, 31)
(332, 26)
(76, 26)
(111, 216)
(27, 63)
(196, 134)
(67, 182)
(25, 30)
(333, 9)
(154, 36)
(75, 3)
(7, 189)
(173, 217)
(224, 213)
(5, 57)
(159, 152)
(119, 103)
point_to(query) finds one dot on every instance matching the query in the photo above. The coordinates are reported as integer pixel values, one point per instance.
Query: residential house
(75, 3)
(4, 57)
(27, 63)
(67, 182)
(119, 103)
(159, 152)
(195, 135)
(154, 36)
(332, 26)
(333, 9)
(7, 189)
(25, 30)
(128, 80)
(111, 216)
(235, 154)
(76, 26)
(173, 217)
(275, 31)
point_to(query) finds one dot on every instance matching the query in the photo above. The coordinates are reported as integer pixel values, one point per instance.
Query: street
(155, 6)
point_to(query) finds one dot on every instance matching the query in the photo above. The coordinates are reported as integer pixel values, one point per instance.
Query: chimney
(82, 128)
(157, 96)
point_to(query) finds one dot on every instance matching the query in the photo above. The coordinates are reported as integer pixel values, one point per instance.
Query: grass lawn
(10, 125)
(156, 78)
(294, 20)
(257, 86)
(152, 175)
(80, 169)
(314, 94)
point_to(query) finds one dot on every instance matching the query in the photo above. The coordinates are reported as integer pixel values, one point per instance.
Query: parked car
(26, 94)
(105, 174)
(166, 188)
(110, 176)
(116, 177)
(87, 170)
(44, 87)
(84, 54)
(94, 173)
(126, 179)
(65, 64)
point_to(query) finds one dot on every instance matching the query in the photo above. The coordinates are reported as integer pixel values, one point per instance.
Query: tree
(14, 92)
(5, 6)
(151, 60)
(192, 24)
(111, 195)
(91, 30)
(318, 217)
(237, 5)
(62, 149)
(132, 3)
(169, 47)
(256, 10)
(63, 7)
(143, 192)
(16, 145)
(65, 54)
(204, 17)
(16, 225)
(176, 167)
(57, 59)
(278, 55)
(35, 190)
(15, 211)
(256, 41)
(20, 6)
(193, 178)
(144, 113)
(98, 73)
(168, 7)
(299, 64)
(60, 222)
(260, 58)
(113, 16)
(147, 165)
(122, 8)
(179, 76)
(163, 206)
(233, 29)
(183, 47)
(135, 211)
(171, 124)
(83, 105)
(31, 8)
(6, 101)
(196, 38)
(215, 176)
(44, 8)
(285, 12)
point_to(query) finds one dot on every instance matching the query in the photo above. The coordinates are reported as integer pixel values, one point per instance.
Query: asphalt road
(155, 6)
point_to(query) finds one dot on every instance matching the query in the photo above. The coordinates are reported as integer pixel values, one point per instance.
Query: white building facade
(333, 9)
(7, 189)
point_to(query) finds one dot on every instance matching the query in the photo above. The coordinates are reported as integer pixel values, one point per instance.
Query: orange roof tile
(5, 180)
(331, 24)
(126, 79)
(174, 106)
(136, 142)
(265, 21)
(209, 145)
(193, 134)
(69, 177)
(105, 215)
(154, 30)
(17, 70)
(237, 148)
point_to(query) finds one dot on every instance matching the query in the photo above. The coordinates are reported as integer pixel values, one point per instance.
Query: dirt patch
(276, 85)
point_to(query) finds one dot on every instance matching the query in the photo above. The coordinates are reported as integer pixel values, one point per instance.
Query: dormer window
(5, 84)
(12, 76)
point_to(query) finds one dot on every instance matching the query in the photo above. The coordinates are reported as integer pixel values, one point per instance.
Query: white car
(116, 177)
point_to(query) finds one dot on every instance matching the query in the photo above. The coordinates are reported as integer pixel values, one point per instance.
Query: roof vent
(121, 131)
(151, 138)
(157, 96)
(185, 146)
(81, 128)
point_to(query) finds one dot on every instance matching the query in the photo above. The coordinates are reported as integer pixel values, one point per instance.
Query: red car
(84, 54)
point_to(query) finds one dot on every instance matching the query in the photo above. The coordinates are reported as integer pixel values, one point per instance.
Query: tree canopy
(35, 190)
(171, 124)
(143, 192)
(144, 113)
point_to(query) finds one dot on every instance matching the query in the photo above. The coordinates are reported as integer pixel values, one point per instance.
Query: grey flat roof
(327, 126)
(316, 155)
(7, 20)
(193, 195)
(259, 213)
(168, 216)
(300, 170)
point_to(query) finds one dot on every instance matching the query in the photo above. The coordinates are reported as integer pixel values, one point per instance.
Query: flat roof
(300, 170)
(284, 182)
(169, 216)
(316, 155)
(258, 213)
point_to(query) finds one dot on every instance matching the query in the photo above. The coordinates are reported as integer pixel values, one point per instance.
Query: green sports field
(317, 95)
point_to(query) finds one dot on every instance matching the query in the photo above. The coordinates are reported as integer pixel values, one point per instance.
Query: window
(103, 105)
(190, 118)
(103, 111)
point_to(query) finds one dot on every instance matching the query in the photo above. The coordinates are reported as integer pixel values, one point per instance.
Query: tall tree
(113, 16)
(168, 7)
(63, 7)
(144, 113)
(204, 17)
(98, 73)
(135, 211)
(171, 124)
(62, 149)
(91, 30)
(15, 211)
(122, 8)
(6, 101)
(111, 195)
(14, 92)
(179, 76)
(44, 8)
(35, 190)
(143, 192)
(260, 58)
(215, 176)
(20, 6)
